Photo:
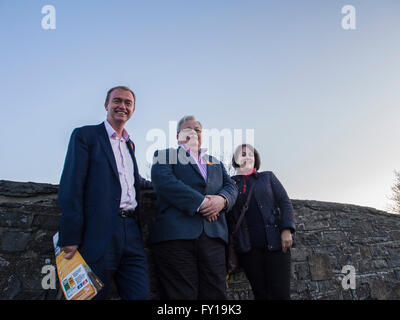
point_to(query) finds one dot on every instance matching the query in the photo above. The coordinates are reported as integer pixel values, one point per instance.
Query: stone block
(333, 237)
(12, 290)
(379, 289)
(365, 252)
(320, 267)
(362, 291)
(395, 234)
(46, 222)
(311, 238)
(344, 223)
(300, 287)
(3, 264)
(15, 220)
(379, 264)
(394, 261)
(26, 189)
(14, 241)
(301, 271)
(316, 225)
(43, 242)
(299, 254)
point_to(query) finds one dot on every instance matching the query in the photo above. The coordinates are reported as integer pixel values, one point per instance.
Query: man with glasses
(190, 232)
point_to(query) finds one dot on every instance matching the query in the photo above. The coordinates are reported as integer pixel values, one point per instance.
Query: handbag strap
(244, 208)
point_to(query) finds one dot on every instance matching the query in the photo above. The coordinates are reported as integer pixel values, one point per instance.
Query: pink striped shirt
(200, 161)
(125, 169)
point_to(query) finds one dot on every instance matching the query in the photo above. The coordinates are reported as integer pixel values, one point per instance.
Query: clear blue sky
(323, 101)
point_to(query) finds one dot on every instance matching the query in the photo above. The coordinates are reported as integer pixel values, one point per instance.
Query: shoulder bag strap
(245, 207)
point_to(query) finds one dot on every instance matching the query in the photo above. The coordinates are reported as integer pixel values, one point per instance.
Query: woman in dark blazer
(264, 238)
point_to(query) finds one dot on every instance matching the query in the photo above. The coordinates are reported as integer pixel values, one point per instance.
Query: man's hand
(212, 207)
(189, 138)
(287, 240)
(206, 206)
(69, 251)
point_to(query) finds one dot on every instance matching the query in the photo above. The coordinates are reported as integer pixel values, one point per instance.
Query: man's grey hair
(184, 119)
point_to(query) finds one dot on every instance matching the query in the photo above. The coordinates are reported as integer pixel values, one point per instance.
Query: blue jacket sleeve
(71, 191)
(229, 190)
(171, 190)
(145, 184)
(284, 203)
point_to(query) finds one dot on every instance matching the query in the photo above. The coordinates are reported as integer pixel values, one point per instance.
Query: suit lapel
(131, 148)
(210, 169)
(190, 159)
(106, 145)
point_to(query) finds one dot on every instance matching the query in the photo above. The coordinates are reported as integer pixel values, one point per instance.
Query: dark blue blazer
(89, 192)
(276, 210)
(180, 190)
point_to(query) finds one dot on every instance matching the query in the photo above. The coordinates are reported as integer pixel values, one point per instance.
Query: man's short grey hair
(184, 119)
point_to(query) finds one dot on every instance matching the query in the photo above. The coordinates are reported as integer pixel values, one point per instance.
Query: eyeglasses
(198, 130)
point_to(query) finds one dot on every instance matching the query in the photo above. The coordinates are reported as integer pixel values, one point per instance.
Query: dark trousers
(268, 273)
(124, 261)
(191, 269)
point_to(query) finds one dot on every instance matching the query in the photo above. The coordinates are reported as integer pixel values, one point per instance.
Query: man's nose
(123, 106)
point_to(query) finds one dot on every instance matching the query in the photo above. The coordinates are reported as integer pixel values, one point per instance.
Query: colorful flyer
(77, 280)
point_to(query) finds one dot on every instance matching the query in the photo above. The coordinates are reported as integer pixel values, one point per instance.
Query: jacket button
(118, 199)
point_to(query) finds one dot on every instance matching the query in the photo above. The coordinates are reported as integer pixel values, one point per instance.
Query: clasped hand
(212, 206)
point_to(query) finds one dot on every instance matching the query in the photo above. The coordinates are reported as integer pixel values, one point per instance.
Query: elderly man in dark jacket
(190, 232)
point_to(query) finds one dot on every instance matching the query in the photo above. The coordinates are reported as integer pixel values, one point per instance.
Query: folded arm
(172, 190)
(145, 184)
(229, 190)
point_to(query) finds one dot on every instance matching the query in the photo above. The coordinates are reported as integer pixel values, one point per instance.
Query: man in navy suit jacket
(99, 194)
(190, 232)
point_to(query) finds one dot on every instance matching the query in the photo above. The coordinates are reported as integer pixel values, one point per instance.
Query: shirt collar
(202, 150)
(111, 132)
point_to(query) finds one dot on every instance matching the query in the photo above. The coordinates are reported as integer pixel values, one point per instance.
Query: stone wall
(329, 236)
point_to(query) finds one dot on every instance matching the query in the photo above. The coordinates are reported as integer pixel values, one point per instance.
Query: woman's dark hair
(257, 159)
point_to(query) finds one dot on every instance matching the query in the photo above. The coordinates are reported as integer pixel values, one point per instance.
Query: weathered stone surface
(46, 222)
(15, 220)
(299, 254)
(3, 264)
(12, 290)
(25, 189)
(14, 241)
(329, 236)
(378, 289)
(301, 271)
(320, 267)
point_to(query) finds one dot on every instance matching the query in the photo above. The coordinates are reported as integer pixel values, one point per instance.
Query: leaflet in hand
(77, 280)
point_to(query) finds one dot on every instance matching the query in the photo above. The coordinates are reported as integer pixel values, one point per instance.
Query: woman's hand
(287, 240)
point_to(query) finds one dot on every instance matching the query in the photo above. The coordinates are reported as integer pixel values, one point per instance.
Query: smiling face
(246, 159)
(190, 133)
(120, 106)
